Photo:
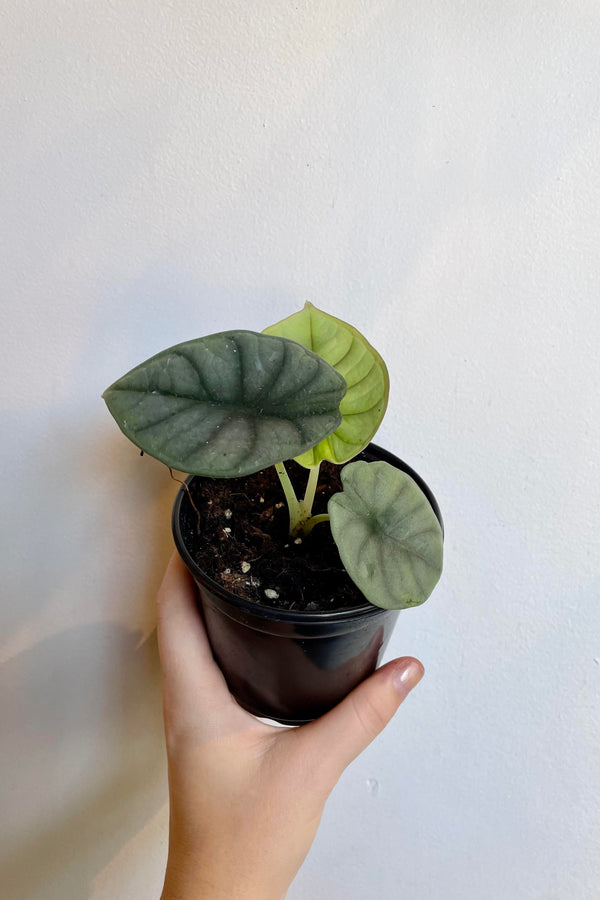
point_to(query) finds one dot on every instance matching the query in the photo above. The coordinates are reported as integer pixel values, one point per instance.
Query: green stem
(314, 520)
(294, 507)
(311, 488)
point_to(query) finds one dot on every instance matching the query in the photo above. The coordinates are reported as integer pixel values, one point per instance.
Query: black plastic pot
(288, 665)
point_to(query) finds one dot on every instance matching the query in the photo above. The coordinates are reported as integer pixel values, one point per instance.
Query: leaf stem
(311, 488)
(294, 507)
(314, 520)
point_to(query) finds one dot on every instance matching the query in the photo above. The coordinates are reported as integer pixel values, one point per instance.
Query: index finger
(189, 669)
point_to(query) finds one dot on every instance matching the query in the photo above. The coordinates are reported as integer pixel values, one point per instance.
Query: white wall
(428, 171)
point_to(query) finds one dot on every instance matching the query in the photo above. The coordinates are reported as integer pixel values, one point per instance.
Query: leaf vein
(171, 415)
(199, 373)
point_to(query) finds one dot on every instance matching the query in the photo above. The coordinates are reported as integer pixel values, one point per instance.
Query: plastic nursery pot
(287, 665)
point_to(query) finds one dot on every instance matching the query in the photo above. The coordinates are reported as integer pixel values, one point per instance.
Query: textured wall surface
(431, 173)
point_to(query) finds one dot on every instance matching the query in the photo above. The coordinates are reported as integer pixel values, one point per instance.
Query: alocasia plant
(311, 388)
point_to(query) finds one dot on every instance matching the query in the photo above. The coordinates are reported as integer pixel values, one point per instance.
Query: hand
(246, 798)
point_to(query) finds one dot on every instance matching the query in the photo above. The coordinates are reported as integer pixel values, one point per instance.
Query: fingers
(341, 734)
(190, 673)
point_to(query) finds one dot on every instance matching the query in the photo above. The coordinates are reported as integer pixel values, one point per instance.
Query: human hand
(246, 798)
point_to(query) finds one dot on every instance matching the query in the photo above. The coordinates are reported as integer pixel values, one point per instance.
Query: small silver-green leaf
(228, 404)
(387, 534)
(365, 372)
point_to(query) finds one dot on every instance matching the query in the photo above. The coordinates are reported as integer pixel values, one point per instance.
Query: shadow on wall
(82, 761)
(91, 769)
(88, 533)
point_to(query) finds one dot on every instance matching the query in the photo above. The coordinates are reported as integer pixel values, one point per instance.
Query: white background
(429, 172)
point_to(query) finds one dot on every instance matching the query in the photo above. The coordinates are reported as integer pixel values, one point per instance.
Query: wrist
(184, 881)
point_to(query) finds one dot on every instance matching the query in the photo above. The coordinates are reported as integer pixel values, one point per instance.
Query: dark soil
(240, 538)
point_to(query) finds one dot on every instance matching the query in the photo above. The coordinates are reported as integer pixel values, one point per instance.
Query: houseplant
(235, 406)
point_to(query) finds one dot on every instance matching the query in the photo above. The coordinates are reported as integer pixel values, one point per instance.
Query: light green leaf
(388, 536)
(361, 366)
(228, 404)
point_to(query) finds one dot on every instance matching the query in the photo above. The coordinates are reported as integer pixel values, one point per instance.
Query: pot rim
(365, 611)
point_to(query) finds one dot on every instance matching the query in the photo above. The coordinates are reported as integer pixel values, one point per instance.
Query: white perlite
(245, 567)
(271, 594)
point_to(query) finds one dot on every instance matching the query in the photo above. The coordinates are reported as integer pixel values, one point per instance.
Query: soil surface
(239, 537)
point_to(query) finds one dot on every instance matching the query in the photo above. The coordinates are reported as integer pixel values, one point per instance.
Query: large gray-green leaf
(388, 536)
(228, 404)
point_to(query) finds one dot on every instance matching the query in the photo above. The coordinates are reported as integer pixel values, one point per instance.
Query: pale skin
(246, 798)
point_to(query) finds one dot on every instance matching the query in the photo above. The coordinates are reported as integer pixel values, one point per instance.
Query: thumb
(341, 734)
